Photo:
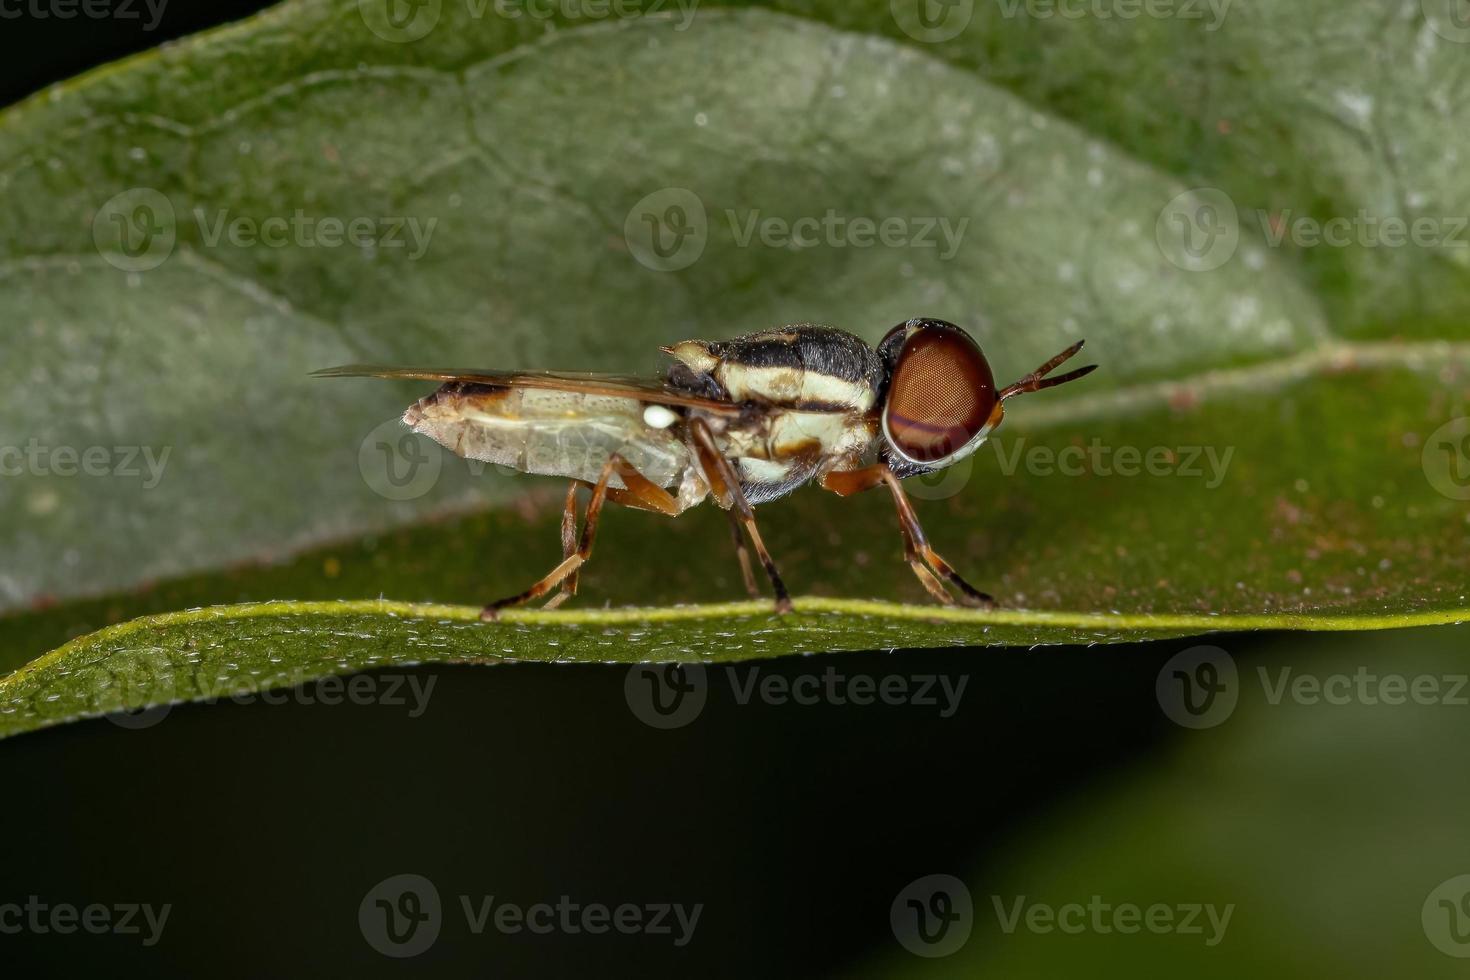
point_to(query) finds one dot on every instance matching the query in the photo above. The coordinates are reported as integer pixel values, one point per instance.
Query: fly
(744, 421)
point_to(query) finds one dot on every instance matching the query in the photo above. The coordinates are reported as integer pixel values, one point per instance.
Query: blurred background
(1271, 804)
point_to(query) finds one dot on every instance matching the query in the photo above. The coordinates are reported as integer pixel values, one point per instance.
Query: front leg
(917, 550)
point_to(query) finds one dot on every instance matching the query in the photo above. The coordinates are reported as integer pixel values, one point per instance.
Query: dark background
(795, 826)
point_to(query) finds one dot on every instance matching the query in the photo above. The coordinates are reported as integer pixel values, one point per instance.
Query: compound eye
(941, 396)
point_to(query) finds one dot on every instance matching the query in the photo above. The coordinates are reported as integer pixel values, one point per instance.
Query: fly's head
(941, 402)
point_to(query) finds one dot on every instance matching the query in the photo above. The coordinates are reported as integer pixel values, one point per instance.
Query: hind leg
(568, 543)
(570, 564)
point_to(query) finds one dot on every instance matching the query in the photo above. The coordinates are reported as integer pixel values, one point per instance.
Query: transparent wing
(652, 390)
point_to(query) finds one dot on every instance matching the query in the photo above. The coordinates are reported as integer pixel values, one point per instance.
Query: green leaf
(225, 651)
(1322, 379)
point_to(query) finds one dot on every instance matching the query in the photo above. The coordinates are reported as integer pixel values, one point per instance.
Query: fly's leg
(743, 553)
(916, 548)
(726, 486)
(969, 595)
(568, 544)
(641, 493)
(570, 564)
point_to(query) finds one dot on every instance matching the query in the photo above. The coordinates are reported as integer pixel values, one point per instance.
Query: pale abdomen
(549, 432)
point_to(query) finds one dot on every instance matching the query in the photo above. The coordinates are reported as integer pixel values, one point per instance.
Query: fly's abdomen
(548, 432)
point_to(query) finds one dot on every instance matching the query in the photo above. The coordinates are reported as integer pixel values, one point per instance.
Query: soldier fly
(745, 421)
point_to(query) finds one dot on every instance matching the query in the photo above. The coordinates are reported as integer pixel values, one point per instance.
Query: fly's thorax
(802, 366)
(780, 434)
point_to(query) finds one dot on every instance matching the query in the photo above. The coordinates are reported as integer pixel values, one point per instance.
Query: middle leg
(725, 484)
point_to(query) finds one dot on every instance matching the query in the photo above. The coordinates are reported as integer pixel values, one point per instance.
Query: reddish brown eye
(941, 395)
